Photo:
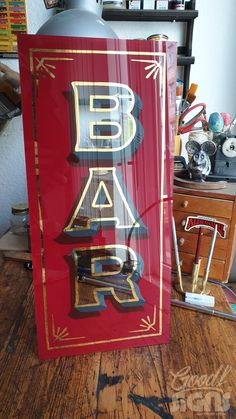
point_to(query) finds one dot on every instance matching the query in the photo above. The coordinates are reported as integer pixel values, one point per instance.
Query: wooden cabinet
(219, 204)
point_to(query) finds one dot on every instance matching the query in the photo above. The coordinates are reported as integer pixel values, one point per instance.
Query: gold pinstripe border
(34, 87)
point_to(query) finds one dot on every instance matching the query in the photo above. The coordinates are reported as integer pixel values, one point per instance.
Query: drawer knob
(181, 241)
(184, 204)
(183, 222)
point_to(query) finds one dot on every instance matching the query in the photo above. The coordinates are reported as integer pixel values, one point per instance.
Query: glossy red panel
(98, 126)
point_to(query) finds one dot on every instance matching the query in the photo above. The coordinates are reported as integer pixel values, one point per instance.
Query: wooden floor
(129, 384)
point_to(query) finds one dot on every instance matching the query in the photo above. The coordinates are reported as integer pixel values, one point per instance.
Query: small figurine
(200, 165)
(216, 122)
(227, 120)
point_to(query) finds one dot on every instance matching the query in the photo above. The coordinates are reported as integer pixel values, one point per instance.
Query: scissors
(191, 116)
(181, 106)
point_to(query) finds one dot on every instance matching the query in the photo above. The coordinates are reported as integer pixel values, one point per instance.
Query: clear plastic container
(19, 219)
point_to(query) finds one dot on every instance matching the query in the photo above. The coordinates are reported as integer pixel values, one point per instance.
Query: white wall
(12, 163)
(214, 48)
(215, 51)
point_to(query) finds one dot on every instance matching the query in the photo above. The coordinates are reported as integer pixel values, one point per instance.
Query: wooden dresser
(219, 204)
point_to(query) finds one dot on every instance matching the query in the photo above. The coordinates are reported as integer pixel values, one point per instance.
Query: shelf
(149, 15)
(184, 57)
(181, 60)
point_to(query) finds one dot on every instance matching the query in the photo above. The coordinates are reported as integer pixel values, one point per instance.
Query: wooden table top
(198, 366)
(229, 192)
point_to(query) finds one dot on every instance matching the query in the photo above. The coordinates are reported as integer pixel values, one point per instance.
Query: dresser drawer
(187, 243)
(210, 207)
(216, 269)
(181, 219)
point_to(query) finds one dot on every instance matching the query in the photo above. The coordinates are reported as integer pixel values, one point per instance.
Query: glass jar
(107, 4)
(158, 37)
(179, 4)
(19, 219)
(162, 4)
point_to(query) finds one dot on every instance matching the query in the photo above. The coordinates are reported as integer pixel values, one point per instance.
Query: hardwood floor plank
(49, 388)
(124, 384)
(14, 284)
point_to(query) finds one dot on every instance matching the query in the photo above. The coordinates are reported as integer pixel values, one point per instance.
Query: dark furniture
(185, 57)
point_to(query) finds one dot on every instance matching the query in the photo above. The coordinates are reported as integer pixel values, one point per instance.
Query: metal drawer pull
(181, 241)
(184, 204)
(183, 222)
